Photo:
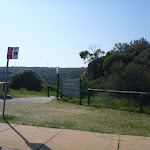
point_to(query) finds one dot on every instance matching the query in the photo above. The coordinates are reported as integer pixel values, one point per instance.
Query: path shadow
(33, 146)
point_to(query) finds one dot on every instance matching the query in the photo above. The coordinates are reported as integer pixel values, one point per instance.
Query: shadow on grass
(7, 97)
(35, 146)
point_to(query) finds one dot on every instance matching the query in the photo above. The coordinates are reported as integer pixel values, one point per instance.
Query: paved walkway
(39, 138)
(30, 100)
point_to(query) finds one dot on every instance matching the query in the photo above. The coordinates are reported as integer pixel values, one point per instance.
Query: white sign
(12, 52)
(57, 70)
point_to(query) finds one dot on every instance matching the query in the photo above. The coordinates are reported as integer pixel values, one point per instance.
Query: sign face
(71, 87)
(57, 70)
(12, 52)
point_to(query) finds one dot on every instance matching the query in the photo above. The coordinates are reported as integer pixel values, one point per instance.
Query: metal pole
(57, 84)
(5, 89)
(88, 96)
(48, 91)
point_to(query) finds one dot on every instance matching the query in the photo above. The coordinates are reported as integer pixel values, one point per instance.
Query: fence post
(48, 91)
(88, 96)
(141, 102)
(80, 92)
(61, 94)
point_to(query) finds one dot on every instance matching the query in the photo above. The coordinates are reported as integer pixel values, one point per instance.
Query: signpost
(57, 72)
(12, 53)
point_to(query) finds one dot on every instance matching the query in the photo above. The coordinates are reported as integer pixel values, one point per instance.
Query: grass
(99, 100)
(122, 103)
(105, 100)
(25, 93)
(59, 114)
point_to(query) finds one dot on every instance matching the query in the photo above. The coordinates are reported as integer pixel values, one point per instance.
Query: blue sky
(52, 33)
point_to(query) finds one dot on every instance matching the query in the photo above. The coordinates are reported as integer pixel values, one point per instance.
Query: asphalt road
(30, 100)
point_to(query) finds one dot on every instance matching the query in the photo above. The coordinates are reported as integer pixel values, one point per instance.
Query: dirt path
(30, 100)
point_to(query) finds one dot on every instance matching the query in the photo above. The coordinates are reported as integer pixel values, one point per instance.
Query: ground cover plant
(59, 114)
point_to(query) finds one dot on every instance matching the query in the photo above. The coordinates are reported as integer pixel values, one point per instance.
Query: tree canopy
(88, 56)
(125, 67)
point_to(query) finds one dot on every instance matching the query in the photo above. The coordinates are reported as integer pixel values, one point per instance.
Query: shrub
(27, 79)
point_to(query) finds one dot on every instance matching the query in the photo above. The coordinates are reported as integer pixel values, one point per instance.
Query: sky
(51, 33)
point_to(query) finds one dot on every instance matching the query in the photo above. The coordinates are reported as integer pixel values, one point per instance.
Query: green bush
(143, 58)
(95, 68)
(27, 79)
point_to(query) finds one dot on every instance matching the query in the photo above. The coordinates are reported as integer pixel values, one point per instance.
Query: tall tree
(90, 55)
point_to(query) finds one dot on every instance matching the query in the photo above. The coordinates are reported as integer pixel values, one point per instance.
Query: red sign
(9, 53)
(12, 52)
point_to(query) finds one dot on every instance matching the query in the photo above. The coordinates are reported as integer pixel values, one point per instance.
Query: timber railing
(53, 89)
(140, 94)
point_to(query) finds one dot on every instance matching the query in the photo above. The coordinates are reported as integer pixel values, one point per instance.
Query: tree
(134, 47)
(90, 56)
(27, 79)
(126, 67)
(143, 58)
(95, 68)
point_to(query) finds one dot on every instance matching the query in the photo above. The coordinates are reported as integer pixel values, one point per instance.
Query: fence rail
(52, 89)
(114, 91)
(123, 92)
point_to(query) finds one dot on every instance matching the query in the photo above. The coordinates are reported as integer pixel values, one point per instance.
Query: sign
(12, 52)
(71, 87)
(57, 70)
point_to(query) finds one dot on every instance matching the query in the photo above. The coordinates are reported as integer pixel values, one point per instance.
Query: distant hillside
(47, 74)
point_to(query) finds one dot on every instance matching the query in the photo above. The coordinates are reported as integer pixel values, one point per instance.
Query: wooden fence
(123, 92)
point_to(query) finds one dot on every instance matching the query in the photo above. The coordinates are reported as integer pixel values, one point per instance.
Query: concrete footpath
(22, 137)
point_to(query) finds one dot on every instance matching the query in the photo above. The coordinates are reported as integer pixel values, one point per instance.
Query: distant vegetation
(48, 75)
(125, 67)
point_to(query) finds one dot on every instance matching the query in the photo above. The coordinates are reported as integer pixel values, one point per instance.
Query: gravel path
(30, 100)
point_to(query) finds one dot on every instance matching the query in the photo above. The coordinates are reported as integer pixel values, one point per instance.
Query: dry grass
(60, 114)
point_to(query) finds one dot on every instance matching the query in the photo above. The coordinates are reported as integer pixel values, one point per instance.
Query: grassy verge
(59, 114)
(25, 93)
(105, 100)
(122, 103)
